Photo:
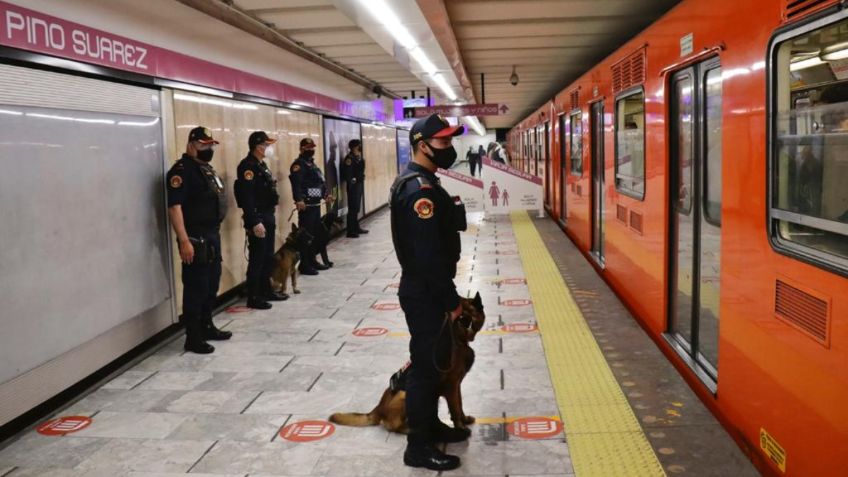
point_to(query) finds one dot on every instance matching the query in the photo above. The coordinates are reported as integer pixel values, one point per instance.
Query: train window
(577, 144)
(630, 144)
(712, 147)
(809, 155)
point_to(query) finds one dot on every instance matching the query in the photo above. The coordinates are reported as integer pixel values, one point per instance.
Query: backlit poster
(337, 134)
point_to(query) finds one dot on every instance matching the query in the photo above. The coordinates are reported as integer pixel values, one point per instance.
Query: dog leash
(435, 347)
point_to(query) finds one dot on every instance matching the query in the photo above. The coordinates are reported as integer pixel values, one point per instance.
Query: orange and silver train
(703, 169)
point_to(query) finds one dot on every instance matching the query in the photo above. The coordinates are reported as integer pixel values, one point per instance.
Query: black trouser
(424, 319)
(260, 260)
(354, 202)
(472, 163)
(200, 282)
(309, 219)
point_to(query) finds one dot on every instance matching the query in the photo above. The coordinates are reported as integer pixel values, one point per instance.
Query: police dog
(391, 411)
(287, 258)
(331, 224)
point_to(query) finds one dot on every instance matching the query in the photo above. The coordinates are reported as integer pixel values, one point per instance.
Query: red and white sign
(516, 302)
(534, 427)
(385, 306)
(31, 30)
(493, 109)
(506, 189)
(239, 309)
(363, 332)
(307, 431)
(468, 188)
(513, 281)
(520, 328)
(64, 425)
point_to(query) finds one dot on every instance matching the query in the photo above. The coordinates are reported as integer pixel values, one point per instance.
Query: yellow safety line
(604, 438)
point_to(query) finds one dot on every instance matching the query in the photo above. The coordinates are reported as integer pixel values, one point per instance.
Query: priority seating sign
(534, 427)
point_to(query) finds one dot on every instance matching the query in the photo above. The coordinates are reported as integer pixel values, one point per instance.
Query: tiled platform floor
(176, 413)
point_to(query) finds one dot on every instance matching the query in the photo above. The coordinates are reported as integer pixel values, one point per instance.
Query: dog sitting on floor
(287, 258)
(391, 411)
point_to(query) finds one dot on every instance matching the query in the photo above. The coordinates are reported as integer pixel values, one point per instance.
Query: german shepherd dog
(391, 411)
(287, 258)
(331, 224)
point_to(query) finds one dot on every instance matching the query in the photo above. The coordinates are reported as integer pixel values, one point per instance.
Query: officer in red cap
(197, 204)
(426, 223)
(308, 188)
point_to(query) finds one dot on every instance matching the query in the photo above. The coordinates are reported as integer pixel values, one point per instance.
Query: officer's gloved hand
(259, 230)
(300, 205)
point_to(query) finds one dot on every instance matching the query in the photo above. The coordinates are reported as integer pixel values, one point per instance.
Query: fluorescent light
(191, 87)
(835, 55)
(421, 58)
(445, 87)
(475, 124)
(804, 64)
(135, 123)
(386, 16)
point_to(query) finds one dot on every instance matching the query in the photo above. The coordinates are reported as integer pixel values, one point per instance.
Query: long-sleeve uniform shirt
(426, 222)
(353, 169)
(307, 181)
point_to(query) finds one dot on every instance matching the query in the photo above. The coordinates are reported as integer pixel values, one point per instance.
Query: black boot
(212, 333)
(195, 343)
(257, 303)
(276, 296)
(445, 433)
(426, 455)
(361, 231)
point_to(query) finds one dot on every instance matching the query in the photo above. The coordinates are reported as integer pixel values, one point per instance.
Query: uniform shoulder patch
(248, 175)
(176, 182)
(348, 162)
(424, 208)
(295, 168)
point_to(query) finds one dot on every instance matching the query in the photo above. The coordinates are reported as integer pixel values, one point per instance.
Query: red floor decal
(520, 327)
(386, 306)
(64, 425)
(307, 431)
(238, 309)
(534, 427)
(370, 332)
(516, 302)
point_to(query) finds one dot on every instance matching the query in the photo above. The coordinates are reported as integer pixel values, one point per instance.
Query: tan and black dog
(391, 411)
(287, 258)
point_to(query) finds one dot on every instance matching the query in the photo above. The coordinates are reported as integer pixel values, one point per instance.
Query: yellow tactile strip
(604, 437)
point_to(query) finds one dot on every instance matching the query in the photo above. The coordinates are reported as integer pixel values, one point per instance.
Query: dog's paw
(468, 420)
(296, 291)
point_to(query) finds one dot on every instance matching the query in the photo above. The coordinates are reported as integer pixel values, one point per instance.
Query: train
(700, 169)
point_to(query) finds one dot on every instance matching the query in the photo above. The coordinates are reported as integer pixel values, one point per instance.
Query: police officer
(197, 205)
(308, 188)
(256, 194)
(425, 230)
(353, 173)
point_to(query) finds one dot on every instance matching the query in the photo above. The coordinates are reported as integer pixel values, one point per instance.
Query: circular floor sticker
(64, 425)
(516, 302)
(370, 332)
(534, 427)
(386, 306)
(520, 328)
(307, 431)
(238, 309)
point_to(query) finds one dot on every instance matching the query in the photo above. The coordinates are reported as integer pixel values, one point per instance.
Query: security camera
(513, 80)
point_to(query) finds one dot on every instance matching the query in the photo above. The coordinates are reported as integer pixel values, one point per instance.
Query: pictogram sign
(534, 427)
(516, 302)
(520, 328)
(307, 431)
(238, 309)
(386, 306)
(370, 332)
(64, 425)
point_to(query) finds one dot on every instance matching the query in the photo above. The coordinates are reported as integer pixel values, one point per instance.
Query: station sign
(455, 111)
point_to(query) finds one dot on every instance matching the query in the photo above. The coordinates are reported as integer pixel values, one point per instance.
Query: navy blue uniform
(425, 231)
(256, 194)
(201, 194)
(308, 186)
(353, 173)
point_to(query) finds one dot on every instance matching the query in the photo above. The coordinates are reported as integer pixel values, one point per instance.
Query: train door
(547, 160)
(597, 132)
(695, 214)
(563, 172)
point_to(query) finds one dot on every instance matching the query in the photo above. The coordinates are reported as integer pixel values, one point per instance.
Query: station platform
(565, 381)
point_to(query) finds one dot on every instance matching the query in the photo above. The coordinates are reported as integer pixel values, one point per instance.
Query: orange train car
(703, 169)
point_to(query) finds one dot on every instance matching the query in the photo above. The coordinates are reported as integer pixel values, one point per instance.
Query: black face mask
(444, 157)
(205, 155)
(309, 154)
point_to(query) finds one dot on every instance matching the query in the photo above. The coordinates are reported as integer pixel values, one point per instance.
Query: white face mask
(269, 152)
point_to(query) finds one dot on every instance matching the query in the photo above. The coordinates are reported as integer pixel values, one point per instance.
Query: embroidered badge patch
(347, 162)
(248, 175)
(176, 182)
(295, 167)
(424, 208)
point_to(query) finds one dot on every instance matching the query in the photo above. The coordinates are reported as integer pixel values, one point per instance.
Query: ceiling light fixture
(445, 87)
(804, 64)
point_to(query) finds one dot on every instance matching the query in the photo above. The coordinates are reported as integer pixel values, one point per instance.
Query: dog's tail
(357, 419)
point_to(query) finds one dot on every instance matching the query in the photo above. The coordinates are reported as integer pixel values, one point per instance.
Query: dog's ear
(478, 302)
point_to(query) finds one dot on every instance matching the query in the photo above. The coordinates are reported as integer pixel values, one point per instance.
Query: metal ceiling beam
(246, 22)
